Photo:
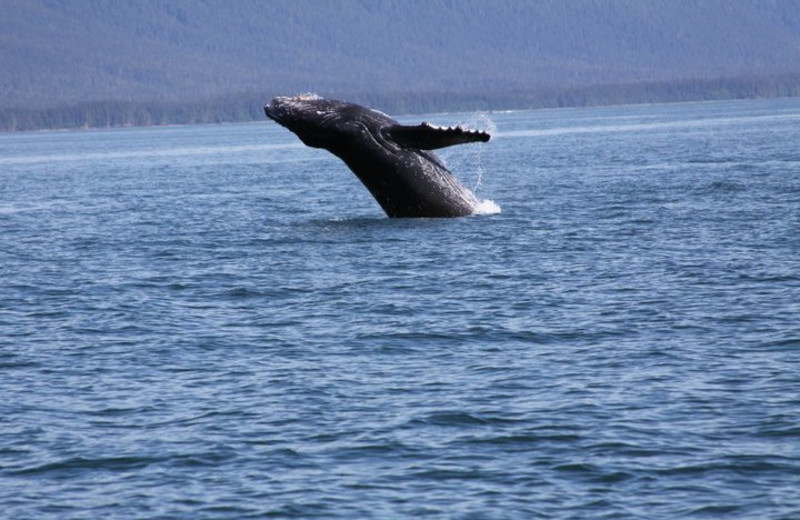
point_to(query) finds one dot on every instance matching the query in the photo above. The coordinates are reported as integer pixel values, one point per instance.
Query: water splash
(482, 121)
(457, 161)
(487, 207)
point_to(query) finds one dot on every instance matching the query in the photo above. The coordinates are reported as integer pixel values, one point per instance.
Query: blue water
(214, 322)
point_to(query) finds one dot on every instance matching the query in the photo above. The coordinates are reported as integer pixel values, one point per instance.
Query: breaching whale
(394, 161)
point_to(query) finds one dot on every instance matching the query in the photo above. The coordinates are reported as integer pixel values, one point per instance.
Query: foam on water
(487, 207)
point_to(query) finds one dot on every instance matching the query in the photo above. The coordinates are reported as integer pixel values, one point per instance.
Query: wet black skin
(393, 161)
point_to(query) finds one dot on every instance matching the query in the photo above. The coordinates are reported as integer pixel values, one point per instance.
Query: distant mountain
(56, 53)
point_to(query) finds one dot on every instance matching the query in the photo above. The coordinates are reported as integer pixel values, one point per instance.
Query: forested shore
(248, 106)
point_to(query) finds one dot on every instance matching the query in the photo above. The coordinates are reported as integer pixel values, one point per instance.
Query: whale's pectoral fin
(428, 137)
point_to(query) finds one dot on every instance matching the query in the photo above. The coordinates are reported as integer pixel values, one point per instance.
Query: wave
(689, 123)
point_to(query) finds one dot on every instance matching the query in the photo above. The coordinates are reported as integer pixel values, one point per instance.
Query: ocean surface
(216, 322)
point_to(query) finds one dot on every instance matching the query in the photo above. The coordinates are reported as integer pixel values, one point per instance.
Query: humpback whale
(394, 161)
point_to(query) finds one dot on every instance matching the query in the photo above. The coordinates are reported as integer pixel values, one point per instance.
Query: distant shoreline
(248, 106)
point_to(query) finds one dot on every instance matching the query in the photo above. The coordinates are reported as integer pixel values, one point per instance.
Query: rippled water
(217, 322)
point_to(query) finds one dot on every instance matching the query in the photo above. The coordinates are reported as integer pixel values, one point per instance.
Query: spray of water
(487, 207)
(484, 122)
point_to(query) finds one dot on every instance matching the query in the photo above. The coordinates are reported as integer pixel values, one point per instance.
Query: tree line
(249, 106)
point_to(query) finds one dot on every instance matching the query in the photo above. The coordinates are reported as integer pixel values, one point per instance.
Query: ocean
(215, 322)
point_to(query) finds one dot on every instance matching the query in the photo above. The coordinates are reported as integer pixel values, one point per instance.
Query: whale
(395, 162)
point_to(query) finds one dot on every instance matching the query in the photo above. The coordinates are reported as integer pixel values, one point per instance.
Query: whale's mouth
(274, 111)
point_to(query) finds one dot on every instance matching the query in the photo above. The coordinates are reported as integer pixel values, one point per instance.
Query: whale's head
(318, 122)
